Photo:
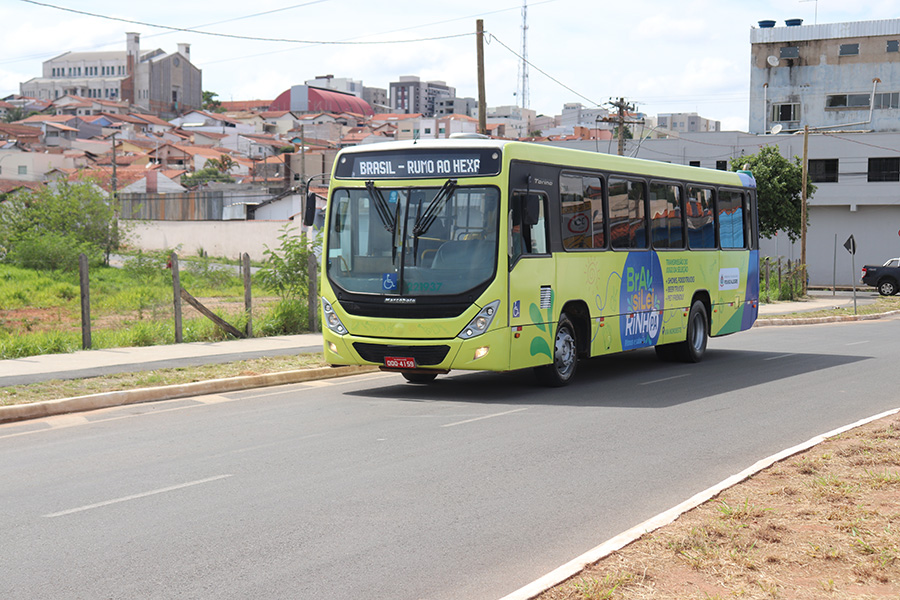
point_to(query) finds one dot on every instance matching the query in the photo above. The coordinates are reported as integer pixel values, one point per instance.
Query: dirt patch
(822, 524)
(27, 320)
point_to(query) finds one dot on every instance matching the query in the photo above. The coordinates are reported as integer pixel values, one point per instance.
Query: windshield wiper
(381, 207)
(424, 220)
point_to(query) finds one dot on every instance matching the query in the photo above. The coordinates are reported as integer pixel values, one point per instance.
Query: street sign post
(850, 245)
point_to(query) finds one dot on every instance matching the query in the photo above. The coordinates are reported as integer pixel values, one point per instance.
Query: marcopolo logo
(640, 300)
(729, 279)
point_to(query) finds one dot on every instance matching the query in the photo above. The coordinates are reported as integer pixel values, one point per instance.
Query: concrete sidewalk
(91, 363)
(819, 300)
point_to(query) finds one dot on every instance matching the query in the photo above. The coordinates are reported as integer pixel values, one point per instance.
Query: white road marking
(779, 356)
(857, 343)
(665, 379)
(509, 412)
(136, 496)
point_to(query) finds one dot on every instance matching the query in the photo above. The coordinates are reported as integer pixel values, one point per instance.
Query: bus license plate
(400, 362)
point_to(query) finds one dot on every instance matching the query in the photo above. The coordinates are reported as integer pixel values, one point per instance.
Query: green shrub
(287, 317)
(50, 251)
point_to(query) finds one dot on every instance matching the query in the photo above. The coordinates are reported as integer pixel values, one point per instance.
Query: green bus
(481, 254)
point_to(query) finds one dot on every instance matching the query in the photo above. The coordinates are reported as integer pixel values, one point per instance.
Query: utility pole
(482, 107)
(114, 181)
(803, 179)
(114, 198)
(621, 106)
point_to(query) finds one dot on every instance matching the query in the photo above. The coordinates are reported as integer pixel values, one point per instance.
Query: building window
(884, 169)
(790, 52)
(23, 170)
(887, 100)
(722, 165)
(849, 50)
(785, 112)
(823, 170)
(893, 45)
(694, 163)
(847, 101)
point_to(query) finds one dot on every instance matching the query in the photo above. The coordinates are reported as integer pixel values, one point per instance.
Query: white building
(836, 75)
(517, 120)
(156, 81)
(858, 181)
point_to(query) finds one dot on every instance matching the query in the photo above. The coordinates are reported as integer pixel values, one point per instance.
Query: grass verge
(882, 304)
(58, 388)
(821, 524)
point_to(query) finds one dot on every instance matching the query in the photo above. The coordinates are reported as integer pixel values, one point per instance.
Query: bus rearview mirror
(309, 211)
(531, 210)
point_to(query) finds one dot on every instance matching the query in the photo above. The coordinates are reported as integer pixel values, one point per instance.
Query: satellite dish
(773, 61)
(777, 129)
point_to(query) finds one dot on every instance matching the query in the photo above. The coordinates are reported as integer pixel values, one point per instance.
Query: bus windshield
(413, 241)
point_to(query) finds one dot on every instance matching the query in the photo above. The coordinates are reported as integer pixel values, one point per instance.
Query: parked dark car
(886, 277)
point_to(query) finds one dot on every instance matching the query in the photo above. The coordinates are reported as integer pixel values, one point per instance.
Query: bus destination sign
(419, 165)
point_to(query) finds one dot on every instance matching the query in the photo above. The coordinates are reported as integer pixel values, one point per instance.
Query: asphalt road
(369, 487)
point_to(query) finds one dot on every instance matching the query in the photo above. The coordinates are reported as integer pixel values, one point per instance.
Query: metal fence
(188, 206)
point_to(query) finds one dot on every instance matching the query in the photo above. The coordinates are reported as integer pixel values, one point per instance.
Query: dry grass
(823, 524)
(57, 389)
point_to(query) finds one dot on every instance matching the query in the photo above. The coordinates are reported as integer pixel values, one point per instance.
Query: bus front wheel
(565, 356)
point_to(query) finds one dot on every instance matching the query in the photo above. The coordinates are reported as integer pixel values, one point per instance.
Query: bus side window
(527, 231)
(627, 216)
(732, 228)
(581, 206)
(701, 220)
(666, 215)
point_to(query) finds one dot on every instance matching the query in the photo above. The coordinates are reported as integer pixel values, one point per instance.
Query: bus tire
(419, 377)
(693, 347)
(565, 356)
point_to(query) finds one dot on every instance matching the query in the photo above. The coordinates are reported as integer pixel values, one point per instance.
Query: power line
(541, 71)
(242, 37)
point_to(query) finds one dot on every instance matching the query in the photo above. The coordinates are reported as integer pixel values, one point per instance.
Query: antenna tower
(523, 67)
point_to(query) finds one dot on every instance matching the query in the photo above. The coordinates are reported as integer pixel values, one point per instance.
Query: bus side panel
(745, 293)
(533, 311)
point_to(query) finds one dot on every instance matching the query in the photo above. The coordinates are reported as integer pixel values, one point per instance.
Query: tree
(48, 228)
(205, 175)
(210, 102)
(17, 113)
(223, 164)
(778, 186)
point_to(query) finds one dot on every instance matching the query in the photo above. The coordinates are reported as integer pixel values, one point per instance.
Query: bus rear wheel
(565, 356)
(693, 348)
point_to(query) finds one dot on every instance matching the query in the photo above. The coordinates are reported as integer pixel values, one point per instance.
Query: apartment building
(687, 123)
(411, 95)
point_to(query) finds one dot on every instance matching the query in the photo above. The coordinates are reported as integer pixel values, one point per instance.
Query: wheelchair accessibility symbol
(389, 282)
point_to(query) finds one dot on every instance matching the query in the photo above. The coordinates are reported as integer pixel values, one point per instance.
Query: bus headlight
(481, 322)
(332, 321)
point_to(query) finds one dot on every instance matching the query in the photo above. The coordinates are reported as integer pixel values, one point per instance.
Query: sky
(663, 56)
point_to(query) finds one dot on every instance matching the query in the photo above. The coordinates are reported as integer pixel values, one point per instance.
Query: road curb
(817, 320)
(37, 410)
(579, 564)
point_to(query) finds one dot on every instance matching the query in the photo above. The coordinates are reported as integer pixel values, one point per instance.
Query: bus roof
(568, 157)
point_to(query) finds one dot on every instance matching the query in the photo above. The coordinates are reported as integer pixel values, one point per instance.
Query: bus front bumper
(487, 352)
